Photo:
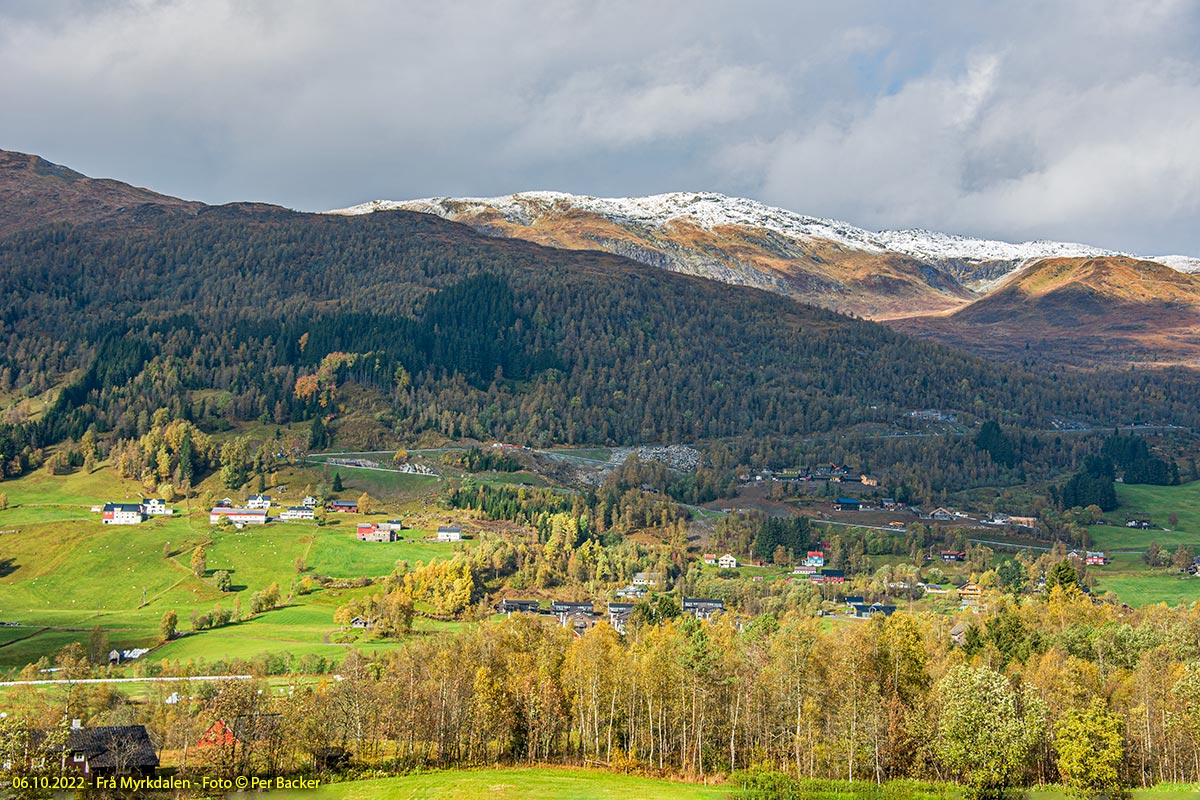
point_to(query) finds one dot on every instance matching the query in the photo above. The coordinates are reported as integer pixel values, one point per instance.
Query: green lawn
(380, 483)
(1155, 503)
(584, 784)
(1126, 574)
(337, 552)
(514, 784)
(1138, 585)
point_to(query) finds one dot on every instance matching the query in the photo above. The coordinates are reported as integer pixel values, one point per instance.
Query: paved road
(129, 680)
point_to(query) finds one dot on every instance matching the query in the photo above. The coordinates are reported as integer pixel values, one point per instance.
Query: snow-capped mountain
(1181, 263)
(711, 210)
(741, 241)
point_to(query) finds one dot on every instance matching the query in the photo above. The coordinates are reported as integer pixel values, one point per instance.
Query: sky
(1076, 120)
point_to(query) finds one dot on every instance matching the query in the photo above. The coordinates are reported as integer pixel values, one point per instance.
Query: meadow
(513, 784)
(549, 783)
(1127, 574)
(64, 573)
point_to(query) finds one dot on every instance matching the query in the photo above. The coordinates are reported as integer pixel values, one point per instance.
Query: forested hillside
(256, 313)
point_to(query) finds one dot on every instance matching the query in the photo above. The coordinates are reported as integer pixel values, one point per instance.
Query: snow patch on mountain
(1181, 263)
(711, 210)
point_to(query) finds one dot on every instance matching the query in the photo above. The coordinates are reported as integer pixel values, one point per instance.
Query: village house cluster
(134, 513)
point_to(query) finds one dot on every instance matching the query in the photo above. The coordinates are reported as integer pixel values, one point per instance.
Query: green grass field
(584, 784)
(514, 784)
(1126, 574)
(1156, 503)
(337, 552)
(66, 572)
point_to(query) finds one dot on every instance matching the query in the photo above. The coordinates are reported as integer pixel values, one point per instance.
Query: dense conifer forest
(255, 313)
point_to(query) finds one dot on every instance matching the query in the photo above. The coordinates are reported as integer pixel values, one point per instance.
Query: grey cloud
(1070, 120)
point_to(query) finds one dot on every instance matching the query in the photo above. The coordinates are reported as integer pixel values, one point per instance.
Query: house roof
(239, 512)
(111, 746)
(449, 529)
(344, 503)
(132, 508)
(563, 605)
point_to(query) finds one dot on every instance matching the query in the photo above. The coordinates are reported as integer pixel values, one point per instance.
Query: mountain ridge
(36, 192)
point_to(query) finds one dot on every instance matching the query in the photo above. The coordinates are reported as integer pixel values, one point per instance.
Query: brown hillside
(821, 272)
(35, 192)
(1080, 310)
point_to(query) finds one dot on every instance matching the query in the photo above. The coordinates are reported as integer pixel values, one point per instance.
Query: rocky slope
(823, 261)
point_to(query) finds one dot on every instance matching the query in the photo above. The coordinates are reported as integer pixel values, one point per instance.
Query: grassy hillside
(1127, 574)
(63, 572)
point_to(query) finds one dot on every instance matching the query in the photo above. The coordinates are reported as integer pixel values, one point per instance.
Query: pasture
(512, 784)
(551, 783)
(62, 573)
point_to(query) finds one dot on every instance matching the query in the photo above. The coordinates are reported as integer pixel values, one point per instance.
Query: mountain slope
(35, 192)
(1107, 309)
(822, 261)
(401, 326)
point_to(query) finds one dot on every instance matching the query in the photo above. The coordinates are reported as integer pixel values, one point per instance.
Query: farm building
(647, 578)
(122, 514)
(238, 516)
(110, 750)
(259, 501)
(298, 512)
(846, 504)
(449, 533)
(370, 532)
(727, 561)
(344, 506)
(154, 507)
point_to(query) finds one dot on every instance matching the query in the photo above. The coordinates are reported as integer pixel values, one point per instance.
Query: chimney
(76, 724)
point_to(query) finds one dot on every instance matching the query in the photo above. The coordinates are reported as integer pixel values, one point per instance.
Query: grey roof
(107, 745)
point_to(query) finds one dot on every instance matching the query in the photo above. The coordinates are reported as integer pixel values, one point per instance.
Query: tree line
(1045, 689)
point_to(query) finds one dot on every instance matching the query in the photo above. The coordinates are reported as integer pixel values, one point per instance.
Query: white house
(238, 516)
(449, 533)
(122, 514)
(727, 561)
(297, 512)
(309, 501)
(155, 507)
(259, 501)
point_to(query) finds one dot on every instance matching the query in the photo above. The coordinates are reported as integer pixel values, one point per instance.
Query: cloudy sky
(1075, 120)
